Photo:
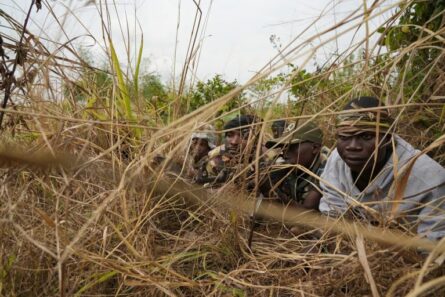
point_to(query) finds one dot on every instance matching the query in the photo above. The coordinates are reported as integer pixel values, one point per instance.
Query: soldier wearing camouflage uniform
(202, 141)
(300, 146)
(237, 153)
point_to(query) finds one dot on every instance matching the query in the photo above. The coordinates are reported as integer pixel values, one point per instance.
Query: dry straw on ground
(84, 212)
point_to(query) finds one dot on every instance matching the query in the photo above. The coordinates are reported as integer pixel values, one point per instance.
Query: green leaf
(102, 278)
(124, 95)
(124, 101)
(138, 65)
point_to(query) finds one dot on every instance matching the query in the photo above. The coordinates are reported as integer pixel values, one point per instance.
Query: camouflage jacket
(286, 183)
(192, 168)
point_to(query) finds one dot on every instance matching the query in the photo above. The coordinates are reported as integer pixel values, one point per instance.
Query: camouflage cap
(207, 132)
(305, 132)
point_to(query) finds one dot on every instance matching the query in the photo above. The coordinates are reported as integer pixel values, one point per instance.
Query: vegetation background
(83, 212)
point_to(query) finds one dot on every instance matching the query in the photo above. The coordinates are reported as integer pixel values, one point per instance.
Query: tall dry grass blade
(359, 241)
(168, 237)
(295, 216)
(100, 279)
(428, 287)
(12, 157)
(427, 265)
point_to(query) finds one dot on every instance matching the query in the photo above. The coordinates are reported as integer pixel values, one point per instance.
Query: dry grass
(83, 213)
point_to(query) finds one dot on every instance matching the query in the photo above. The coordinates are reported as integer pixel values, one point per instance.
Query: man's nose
(234, 140)
(354, 144)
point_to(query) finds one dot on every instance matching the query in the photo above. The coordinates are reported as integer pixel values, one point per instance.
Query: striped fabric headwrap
(356, 122)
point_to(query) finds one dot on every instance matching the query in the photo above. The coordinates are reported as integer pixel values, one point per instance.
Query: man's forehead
(239, 131)
(294, 147)
(301, 145)
(231, 132)
(197, 139)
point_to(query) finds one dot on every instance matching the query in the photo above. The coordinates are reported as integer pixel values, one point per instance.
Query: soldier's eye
(342, 137)
(244, 133)
(367, 136)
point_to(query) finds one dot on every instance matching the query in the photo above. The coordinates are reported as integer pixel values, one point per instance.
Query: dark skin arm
(312, 199)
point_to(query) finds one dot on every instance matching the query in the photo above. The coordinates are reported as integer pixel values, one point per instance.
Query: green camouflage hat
(293, 134)
(207, 132)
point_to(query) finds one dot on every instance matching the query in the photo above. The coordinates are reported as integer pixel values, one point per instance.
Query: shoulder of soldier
(213, 162)
(324, 153)
(271, 155)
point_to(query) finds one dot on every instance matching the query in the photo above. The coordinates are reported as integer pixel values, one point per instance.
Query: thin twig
(19, 55)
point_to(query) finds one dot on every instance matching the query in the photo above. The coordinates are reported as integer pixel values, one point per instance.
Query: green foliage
(138, 67)
(93, 82)
(421, 19)
(265, 86)
(212, 89)
(410, 28)
(153, 90)
(306, 87)
(123, 100)
(99, 278)
(4, 270)
(94, 90)
(152, 86)
(303, 84)
(156, 98)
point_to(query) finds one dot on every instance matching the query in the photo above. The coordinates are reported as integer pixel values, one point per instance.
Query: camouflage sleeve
(212, 171)
(275, 183)
(214, 166)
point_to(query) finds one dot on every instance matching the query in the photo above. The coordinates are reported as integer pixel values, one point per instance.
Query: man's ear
(316, 147)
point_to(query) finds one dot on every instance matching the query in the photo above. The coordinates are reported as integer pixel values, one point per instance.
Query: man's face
(277, 131)
(236, 140)
(199, 148)
(357, 150)
(302, 154)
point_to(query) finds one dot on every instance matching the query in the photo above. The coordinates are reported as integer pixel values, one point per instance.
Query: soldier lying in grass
(235, 156)
(202, 142)
(360, 175)
(299, 146)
